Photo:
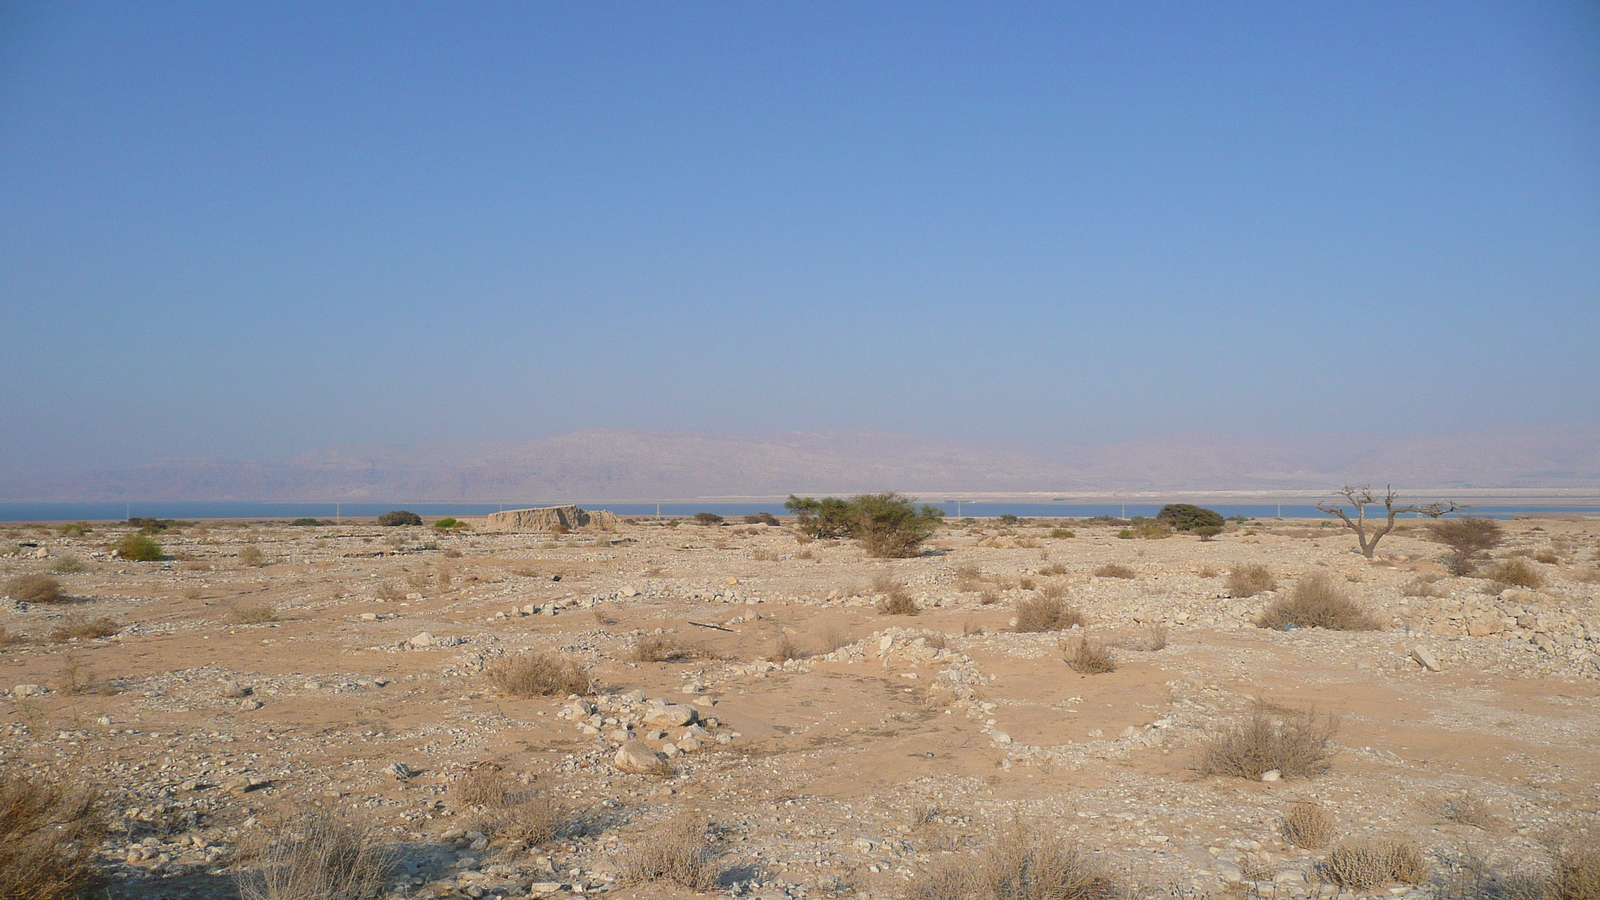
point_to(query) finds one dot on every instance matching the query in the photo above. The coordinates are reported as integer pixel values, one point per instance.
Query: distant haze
(622, 465)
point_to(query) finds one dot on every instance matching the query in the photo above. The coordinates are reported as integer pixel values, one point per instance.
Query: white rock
(1271, 775)
(636, 756)
(423, 639)
(1425, 658)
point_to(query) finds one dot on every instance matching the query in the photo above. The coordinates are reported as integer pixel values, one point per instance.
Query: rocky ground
(836, 751)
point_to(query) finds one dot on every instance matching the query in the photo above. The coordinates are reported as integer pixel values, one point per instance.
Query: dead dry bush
(1472, 877)
(48, 836)
(1297, 743)
(251, 557)
(1088, 657)
(895, 599)
(678, 853)
(1250, 579)
(36, 589)
(1316, 602)
(969, 579)
(1421, 586)
(661, 648)
(1114, 570)
(308, 854)
(253, 614)
(1464, 808)
(1516, 572)
(1577, 868)
(1308, 825)
(785, 649)
(7, 638)
(535, 674)
(1367, 865)
(1153, 638)
(76, 625)
(507, 811)
(1052, 570)
(1042, 613)
(1019, 865)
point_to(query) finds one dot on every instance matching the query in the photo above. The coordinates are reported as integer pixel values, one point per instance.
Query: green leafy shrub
(74, 529)
(1188, 517)
(761, 518)
(888, 525)
(138, 547)
(68, 564)
(829, 517)
(707, 518)
(306, 522)
(449, 524)
(1059, 532)
(399, 517)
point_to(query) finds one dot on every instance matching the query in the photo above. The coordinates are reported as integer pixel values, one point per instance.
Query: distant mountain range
(619, 465)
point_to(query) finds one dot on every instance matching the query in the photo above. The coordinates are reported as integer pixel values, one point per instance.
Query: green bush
(1468, 538)
(1188, 517)
(707, 518)
(306, 522)
(449, 524)
(399, 517)
(74, 529)
(138, 547)
(761, 518)
(888, 525)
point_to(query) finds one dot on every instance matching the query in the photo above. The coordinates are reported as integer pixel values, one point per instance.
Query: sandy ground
(888, 744)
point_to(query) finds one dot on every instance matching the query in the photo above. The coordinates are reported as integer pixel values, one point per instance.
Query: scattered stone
(1271, 775)
(1425, 658)
(637, 758)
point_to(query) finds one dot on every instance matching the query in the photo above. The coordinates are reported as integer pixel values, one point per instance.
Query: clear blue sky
(258, 229)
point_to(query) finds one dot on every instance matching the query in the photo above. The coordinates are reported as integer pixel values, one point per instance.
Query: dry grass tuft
(1515, 572)
(508, 811)
(1043, 613)
(1316, 602)
(1019, 865)
(1369, 865)
(310, 855)
(1207, 572)
(1089, 658)
(1250, 579)
(1297, 743)
(68, 564)
(81, 626)
(1464, 809)
(1153, 638)
(1114, 570)
(48, 837)
(256, 614)
(896, 599)
(677, 853)
(1577, 865)
(661, 648)
(7, 638)
(251, 557)
(535, 674)
(785, 649)
(36, 589)
(1308, 825)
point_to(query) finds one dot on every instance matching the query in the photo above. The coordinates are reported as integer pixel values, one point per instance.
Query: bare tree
(1362, 497)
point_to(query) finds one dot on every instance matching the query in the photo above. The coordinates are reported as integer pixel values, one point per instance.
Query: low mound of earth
(835, 751)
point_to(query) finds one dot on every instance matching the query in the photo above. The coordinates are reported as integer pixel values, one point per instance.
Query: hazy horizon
(260, 233)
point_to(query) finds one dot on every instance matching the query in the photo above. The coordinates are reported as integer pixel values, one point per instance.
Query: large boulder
(548, 518)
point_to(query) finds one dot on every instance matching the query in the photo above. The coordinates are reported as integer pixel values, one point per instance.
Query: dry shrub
(1089, 658)
(1297, 743)
(1316, 602)
(969, 579)
(988, 598)
(77, 678)
(1114, 570)
(1373, 864)
(508, 811)
(1053, 570)
(1548, 557)
(255, 614)
(535, 674)
(1020, 865)
(834, 637)
(785, 649)
(661, 648)
(1308, 825)
(677, 853)
(388, 590)
(251, 557)
(1041, 613)
(7, 638)
(1420, 587)
(68, 564)
(1207, 572)
(1464, 809)
(48, 836)
(36, 589)
(310, 855)
(1054, 589)
(896, 599)
(1250, 579)
(1577, 868)
(1153, 638)
(1516, 572)
(81, 626)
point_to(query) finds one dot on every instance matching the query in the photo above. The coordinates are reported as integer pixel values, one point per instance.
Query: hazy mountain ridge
(638, 464)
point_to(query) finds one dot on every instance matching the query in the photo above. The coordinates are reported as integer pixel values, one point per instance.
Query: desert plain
(823, 747)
